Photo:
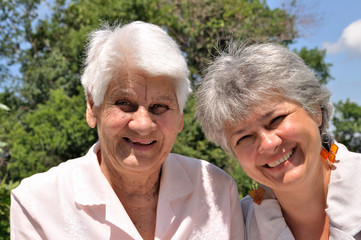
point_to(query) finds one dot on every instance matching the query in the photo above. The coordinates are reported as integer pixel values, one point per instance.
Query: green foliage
(5, 189)
(2, 144)
(200, 26)
(16, 18)
(314, 58)
(347, 121)
(49, 71)
(55, 132)
(4, 107)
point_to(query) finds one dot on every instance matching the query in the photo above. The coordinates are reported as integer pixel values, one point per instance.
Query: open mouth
(143, 143)
(280, 161)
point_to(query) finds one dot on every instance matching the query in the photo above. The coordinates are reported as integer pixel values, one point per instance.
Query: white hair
(247, 76)
(138, 46)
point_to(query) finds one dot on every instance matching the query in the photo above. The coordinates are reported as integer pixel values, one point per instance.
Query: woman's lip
(281, 160)
(142, 142)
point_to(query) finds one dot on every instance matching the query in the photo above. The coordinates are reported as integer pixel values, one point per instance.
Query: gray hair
(246, 76)
(138, 46)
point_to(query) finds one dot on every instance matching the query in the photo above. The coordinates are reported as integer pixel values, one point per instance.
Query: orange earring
(329, 150)
(257, 193)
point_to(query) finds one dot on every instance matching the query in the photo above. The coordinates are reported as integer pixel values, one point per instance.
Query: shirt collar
(175, 182)
(175, 185)
(344, 194)
(91, 186)
(270, 221)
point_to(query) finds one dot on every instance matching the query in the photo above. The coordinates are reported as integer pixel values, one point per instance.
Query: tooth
(278, 162)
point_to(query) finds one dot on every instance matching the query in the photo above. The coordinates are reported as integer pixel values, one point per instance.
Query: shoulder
(339, 198)
(197, 168)
(58, 178)
(347, 163)
(46, 184)
(247, 206)
(344, 153)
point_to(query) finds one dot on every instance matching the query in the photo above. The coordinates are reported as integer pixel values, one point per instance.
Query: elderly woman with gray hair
(265, 106)
(129, 185)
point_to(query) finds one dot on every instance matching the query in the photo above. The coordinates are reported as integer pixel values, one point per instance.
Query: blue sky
(339, 32)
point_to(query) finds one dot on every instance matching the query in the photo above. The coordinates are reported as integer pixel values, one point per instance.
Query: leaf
(4, 107)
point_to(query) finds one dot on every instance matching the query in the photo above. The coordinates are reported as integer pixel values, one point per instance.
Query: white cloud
(349, 42)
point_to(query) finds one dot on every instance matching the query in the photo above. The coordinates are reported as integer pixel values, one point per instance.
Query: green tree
(347, 122)
(3, 143)
(314, 58)
(16, 18)
(55, 132)
(199, 26)
(5, 189)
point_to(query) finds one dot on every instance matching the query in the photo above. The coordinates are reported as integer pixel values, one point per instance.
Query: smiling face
(137, 123)
(278, 145)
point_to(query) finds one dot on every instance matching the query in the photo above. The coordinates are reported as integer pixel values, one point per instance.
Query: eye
(276, 121)
(158, 108)
(243, 139)
(126, 106)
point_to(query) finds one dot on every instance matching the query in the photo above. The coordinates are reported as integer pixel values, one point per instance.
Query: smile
(139, 142)
(282, 160)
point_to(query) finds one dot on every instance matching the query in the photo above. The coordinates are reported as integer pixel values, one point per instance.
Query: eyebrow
(260, 119)
(122, 92)
(166, 97)
(125, 92)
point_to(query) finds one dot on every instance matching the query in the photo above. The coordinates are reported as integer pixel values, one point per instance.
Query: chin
(291, 180)
(139, 165)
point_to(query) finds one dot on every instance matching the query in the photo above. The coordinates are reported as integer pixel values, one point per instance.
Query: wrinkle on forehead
(126, 84)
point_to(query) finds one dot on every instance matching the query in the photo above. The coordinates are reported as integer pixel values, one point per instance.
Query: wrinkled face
(278, 145)
(137, 122)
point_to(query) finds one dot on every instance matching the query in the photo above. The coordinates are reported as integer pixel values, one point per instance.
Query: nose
(269, 141)
(142, 122)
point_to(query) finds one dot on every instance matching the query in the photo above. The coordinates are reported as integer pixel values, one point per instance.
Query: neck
(130, 186)
(304, 207)
(138, 193)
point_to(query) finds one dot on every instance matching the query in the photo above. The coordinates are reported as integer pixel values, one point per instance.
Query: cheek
(248, 160)
(169, 129)
(291, 125)
(245, 160)
(171, 123)
(249, 168)
(113, 120)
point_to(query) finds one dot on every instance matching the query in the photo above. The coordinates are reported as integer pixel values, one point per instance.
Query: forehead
(261, 112)
(137, 84)
(256, 110)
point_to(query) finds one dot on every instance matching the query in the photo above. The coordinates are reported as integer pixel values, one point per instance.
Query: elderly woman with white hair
(265, 106)
(129, 185)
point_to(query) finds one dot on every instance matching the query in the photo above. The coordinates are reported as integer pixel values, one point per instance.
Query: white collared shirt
(74, 201)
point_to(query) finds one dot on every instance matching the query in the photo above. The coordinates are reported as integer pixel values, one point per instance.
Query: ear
(180, 124)
(91, 116)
